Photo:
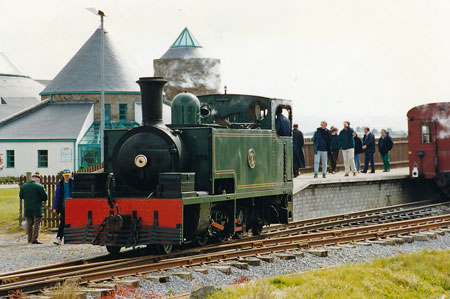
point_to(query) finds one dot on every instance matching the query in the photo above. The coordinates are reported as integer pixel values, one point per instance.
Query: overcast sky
(364, 61)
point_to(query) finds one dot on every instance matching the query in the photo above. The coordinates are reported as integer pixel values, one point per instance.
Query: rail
(321, 232)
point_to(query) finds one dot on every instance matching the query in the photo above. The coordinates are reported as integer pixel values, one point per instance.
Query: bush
(9, 180)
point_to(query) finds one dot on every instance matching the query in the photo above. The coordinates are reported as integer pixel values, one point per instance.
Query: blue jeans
(358, 162)
(321, 155)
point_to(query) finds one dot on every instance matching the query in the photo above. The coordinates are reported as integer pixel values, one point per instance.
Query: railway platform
(306, 179)
(335, 194)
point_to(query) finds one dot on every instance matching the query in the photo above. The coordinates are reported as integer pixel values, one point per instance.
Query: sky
(364, 61)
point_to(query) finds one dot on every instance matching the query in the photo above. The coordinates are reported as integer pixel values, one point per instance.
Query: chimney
(152, 100)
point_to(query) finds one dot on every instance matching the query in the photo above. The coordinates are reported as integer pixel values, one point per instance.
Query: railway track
(302, 234)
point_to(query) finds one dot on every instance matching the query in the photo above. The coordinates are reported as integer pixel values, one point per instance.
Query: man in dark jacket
(385, 144)
(369, 150)
(297, 143)
(64, 190)
(33, 195)
(348, 148)
(282, 123)
(322, 146)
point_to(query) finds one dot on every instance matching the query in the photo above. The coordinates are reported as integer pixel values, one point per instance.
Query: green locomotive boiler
(219, 170)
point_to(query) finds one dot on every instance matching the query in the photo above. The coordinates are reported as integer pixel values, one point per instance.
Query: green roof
(186, 40)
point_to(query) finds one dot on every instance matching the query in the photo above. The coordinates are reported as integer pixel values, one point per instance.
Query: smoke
(423, 108)
(443, 120)
(199, 73)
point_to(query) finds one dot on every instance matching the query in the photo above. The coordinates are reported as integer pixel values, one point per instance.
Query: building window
(89, 155)
(122, 112)
(426, 133)
(43, 158)
(10, 159)
(107, 112)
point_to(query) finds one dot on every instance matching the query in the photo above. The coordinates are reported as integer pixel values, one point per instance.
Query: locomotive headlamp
(140, 161)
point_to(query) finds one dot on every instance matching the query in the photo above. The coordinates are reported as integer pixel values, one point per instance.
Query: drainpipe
(74, 155)
(436, 160)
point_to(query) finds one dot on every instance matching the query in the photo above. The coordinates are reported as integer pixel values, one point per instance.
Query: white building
(62, 130)
(45, 138)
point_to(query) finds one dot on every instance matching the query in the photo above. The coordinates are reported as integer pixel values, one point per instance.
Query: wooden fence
(398, 156)
(50, 219)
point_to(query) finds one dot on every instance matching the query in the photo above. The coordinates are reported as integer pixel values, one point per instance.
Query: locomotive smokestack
(152, 100)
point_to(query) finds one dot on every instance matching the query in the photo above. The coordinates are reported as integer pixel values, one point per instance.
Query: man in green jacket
(33, 195)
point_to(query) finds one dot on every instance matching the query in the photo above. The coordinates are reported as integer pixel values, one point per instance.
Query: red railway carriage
(429, 143)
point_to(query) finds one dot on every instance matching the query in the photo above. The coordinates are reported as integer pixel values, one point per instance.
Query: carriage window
(426, 133)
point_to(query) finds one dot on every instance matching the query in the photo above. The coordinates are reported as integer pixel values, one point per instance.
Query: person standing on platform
(33, 195)
(297, 143)
(358, 151)
(322, 146)
(385, 145)
(64, 190)
(369, 150)
(282, 123)
(335, 146)
(348, 148)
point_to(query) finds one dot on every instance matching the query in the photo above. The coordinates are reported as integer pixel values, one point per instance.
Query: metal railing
(398, 157)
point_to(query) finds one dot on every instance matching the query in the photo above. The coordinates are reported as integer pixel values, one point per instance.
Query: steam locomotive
(429, 144)
(219, 170)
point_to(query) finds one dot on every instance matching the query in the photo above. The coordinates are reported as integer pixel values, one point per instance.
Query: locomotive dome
(185, 109)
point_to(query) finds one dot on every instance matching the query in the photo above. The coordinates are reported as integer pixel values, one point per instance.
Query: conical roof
(17, 91)
(185, 46)
(7, 67)
(82, 73)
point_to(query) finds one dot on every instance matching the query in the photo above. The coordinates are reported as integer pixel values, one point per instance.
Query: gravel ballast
(335, 257)
(16, 254)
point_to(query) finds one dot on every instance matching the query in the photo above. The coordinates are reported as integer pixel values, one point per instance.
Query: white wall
(87, 124)
(26, 157)
(167, 113)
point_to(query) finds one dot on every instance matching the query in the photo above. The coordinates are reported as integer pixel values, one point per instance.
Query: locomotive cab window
(426, 133)
(283, 120)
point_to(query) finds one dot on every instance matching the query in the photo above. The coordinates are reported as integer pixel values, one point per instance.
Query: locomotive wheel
(159, 248)
(164, 248)
(222, 237)
(257, 226)
(113, 249)
(241, 222)
(201, 240)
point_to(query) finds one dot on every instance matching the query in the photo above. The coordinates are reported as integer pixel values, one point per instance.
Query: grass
(424, 274)
(9, 210)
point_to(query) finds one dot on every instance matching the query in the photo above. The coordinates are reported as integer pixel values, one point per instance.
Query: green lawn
(9, 210)
(420, 275)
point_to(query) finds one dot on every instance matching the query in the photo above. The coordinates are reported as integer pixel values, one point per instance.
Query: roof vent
(186, 40)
